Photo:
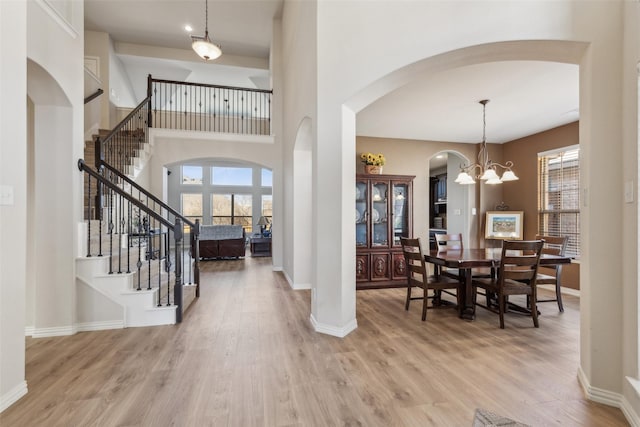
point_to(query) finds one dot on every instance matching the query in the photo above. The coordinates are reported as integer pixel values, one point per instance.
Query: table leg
(469, 308)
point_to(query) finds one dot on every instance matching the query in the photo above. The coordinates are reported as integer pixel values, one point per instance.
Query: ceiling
(526, 97)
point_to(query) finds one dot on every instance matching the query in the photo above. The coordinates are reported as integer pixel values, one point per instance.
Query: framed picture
(504, 225)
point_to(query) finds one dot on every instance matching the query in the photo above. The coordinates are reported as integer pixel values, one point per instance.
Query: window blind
(559, 196)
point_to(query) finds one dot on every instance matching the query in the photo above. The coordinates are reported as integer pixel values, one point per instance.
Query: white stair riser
(140, 306)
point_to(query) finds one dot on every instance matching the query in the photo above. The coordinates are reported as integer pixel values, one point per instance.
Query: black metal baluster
(177, 290)
(129, 231)
(111, 227)
(120, 235)
(89, 216)
(139, 235)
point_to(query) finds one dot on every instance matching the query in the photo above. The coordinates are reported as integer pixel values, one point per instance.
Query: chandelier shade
(203, 45)
(485, 169)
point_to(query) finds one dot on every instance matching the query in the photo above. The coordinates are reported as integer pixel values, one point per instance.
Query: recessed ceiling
(526, 97)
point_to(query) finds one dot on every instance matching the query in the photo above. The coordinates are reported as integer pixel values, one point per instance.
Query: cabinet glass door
(400, 212)
(379, 213)
(361, 214)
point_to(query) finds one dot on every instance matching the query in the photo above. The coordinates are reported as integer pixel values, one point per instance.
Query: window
(559, 196)
(191, 206)
(191, 175)
(267, 178)
(232, 209)
(221, 175)
(267, 206)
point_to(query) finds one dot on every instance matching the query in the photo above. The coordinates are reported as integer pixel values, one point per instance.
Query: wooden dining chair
(516, 276)
(417, 276)
(554, 245)
(447, 243)
(453, 242)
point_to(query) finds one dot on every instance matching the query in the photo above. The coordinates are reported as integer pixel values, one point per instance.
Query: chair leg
(559, 297)
(534, 312)
(424, 302)
(502, 301)
(406, 304)
(437, 298)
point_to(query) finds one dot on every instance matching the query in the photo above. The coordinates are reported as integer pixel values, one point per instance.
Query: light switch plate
(628, 192)
(6, 195)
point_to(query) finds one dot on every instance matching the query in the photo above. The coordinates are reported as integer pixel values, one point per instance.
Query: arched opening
(451, 206)
(301, 248)
(51, 247)
(551, 51)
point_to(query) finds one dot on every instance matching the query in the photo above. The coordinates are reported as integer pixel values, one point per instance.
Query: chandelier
(202, 45)
(485, 168)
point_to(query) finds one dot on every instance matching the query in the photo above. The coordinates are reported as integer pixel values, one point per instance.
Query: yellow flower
(372, 159)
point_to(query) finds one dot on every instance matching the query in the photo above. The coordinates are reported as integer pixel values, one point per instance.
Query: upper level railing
(208, 108)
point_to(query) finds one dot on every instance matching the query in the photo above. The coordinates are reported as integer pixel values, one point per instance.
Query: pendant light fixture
(486, 169)
(202, 45)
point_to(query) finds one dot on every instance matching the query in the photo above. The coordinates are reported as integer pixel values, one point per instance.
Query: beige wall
(522, 194)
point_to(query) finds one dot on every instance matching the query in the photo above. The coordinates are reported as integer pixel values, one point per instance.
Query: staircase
(135, 270)
(128, 296)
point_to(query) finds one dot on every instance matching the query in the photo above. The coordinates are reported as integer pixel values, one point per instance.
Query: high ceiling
(526, 97)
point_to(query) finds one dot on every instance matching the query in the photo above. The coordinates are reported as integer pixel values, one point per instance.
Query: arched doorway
(52, 209)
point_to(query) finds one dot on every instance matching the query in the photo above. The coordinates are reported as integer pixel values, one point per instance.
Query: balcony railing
(208, 108)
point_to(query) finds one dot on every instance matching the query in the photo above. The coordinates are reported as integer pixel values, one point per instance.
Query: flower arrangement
(372, 159)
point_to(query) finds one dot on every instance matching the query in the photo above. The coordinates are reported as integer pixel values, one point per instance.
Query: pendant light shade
(204, 48)
(203, 45)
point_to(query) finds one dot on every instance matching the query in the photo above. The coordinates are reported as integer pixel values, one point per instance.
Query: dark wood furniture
(418, 276)
(469, 259)
(260, 246)
(555, 245)
(384, 214)
(516, 276)
(221, 241)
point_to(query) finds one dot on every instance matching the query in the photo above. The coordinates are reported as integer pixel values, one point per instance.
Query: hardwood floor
(246, 355)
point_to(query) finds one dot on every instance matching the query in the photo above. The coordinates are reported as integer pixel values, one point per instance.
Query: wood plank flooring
(246, 355)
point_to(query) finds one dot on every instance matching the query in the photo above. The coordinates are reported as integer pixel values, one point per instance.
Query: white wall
(55, 76)
(98, 44)
(13, 163)
(631, 138)
(51, 74)
(121, 93)
(298, 47)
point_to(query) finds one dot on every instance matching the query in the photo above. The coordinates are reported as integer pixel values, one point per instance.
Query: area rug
(484, 418)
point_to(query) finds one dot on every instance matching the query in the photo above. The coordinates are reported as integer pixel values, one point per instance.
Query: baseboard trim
(335, 331)
(294, 286)
(13, 395)
(28, 331)
(609, 398)
(57, 331)
(100, 326)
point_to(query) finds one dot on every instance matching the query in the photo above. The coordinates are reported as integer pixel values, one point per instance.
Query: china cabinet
(384, 206)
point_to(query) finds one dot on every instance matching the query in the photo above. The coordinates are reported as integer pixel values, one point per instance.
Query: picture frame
(505, 225)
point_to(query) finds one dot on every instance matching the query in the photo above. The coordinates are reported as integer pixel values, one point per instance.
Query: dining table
(466, 260)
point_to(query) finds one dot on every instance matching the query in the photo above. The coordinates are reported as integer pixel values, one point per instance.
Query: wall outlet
(6, 195)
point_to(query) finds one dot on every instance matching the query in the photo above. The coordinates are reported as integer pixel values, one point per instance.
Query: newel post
(195, 250)
(177, 289)
(149, 95)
